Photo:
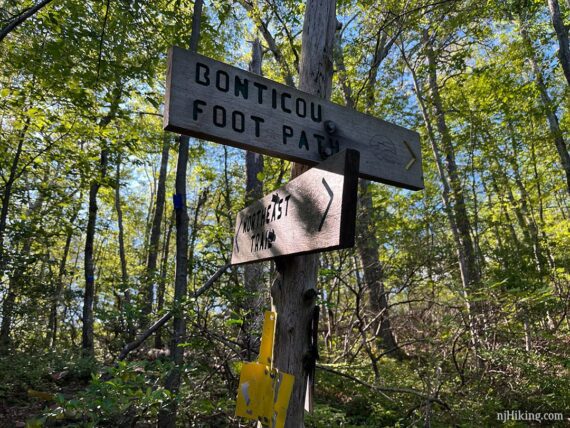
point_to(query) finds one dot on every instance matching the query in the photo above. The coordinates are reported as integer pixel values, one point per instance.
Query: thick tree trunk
(87, 344)
(253, 273)
(562, 36)
(553, 124)
(151, 267)
(7, 312)
(294, 290)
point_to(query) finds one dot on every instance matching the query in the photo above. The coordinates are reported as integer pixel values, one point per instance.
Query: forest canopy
(451, 309)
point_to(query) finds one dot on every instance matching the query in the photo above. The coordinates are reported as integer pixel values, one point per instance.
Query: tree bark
(52, 323)
(369, 252)
(151, 267)
(294, 290)
(8, 191)
(367, 246)
(550, 110)
(447, 195)
(87, 344)
(162, 281)
(470, 273)
(562, 36)
(122, 253)
(167, 415)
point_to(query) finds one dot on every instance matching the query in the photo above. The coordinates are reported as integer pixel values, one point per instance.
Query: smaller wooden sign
(313, 212)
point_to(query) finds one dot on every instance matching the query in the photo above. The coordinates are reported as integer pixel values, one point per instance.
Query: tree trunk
(194, 234)
(263, 28)
(162, 282)
(122, 254)
(16, 282)
(294, 290)
(446, 194)
(368, 250)
(553, 124)
(52, 323)
(151, 267)
(466, 252)
(118, 208)
(87, 344)
(367, 246)
(562, 36)
(8, 191)
(167, 415)
(253, 273)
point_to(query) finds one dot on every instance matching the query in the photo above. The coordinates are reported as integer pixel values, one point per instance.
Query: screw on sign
(264, 392)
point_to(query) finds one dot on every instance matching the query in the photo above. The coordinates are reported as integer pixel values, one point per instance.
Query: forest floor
(21, 410)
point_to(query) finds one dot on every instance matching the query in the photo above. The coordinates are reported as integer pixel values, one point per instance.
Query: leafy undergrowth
(68, 391)
(30, 383)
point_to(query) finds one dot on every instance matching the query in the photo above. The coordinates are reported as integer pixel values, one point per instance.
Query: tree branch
(19, 19)
(387, 388)
(164, 319)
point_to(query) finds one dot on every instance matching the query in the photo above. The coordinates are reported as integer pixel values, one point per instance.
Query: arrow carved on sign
(413, 159)
(331, 194)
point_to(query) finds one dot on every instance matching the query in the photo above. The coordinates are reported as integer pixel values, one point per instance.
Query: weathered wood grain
(314, 212)
(214, 101)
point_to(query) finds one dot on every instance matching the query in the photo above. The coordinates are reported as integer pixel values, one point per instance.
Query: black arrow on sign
(331, 194)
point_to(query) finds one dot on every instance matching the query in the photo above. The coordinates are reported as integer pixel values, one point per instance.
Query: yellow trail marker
(264, 392)
(267, 339)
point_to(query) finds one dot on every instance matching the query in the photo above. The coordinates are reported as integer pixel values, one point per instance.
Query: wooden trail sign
(215, 101)
(314, 212)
